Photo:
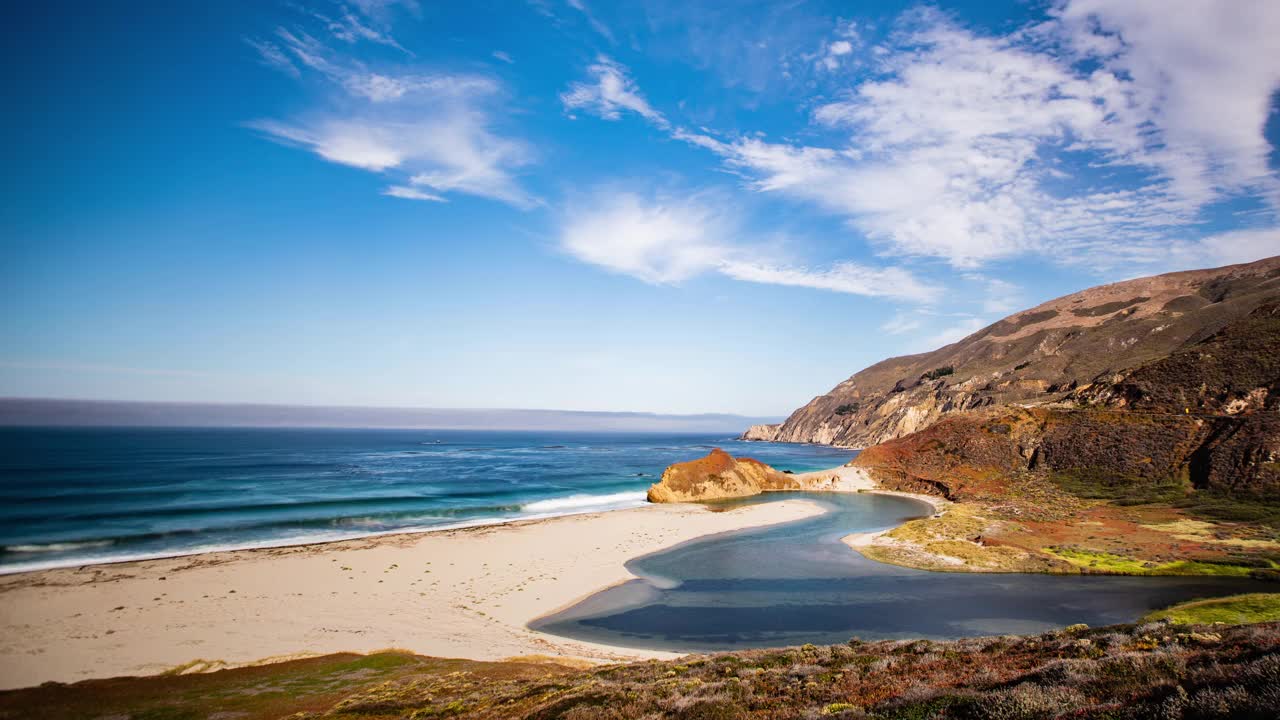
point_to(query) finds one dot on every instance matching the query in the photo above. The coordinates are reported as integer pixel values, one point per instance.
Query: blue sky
(661, 206)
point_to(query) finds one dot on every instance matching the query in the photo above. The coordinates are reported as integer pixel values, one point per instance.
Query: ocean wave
(582, 502)
(58, 546)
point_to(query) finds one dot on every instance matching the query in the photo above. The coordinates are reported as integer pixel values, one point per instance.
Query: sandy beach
(459, 593)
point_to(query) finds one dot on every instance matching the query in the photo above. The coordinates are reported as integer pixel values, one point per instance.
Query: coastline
(33, 567)
(858, 480)
(465, 592)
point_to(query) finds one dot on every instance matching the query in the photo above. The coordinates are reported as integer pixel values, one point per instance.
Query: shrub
(941, 372)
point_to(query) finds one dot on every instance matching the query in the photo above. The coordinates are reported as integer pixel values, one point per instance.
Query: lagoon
(798, 583)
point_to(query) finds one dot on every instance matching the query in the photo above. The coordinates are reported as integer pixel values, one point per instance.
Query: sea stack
(717, 476)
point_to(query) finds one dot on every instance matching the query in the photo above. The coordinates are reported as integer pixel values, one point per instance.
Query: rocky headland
(1129, 428)
(764, 433)
(1059, 350)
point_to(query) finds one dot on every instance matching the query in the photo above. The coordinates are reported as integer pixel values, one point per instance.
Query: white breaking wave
(58, 546)
(541, 509)
(581, 503)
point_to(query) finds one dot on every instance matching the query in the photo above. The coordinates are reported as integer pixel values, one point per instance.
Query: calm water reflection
(797, 583)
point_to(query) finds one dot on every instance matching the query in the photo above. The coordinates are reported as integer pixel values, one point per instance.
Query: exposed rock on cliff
(1236, 371)
(1046, 354)
(765, 433)
(718, 476)
(1125, 456)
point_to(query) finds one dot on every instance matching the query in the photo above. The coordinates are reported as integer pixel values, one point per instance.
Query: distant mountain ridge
(101, 413)
(1076, 348)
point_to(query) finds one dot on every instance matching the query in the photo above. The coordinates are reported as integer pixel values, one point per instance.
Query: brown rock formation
(717, 476)
(1122, 455)
(1043, 355)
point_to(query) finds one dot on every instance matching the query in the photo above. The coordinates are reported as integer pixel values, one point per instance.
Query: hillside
(1064, 349)
(1171, 466)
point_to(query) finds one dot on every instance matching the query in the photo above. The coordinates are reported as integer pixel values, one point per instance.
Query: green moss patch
(1107, 563)
(1234, 610)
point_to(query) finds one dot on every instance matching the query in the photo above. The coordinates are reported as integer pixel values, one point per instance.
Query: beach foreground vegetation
(1152, 670)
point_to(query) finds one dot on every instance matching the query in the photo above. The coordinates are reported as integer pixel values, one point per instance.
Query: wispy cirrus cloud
(667, 240)
(592, 20)
(273, 56)
(609, 92)
(432, 132)
(411, 193)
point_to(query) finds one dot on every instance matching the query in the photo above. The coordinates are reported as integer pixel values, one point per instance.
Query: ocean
(76, 496)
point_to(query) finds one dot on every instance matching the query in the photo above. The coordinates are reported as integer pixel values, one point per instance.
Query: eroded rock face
(1235, 371)
(1054, 352)
(717, 476)
(983, 454)
(763, 433)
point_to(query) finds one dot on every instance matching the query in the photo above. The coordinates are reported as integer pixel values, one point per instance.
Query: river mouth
(798, 583)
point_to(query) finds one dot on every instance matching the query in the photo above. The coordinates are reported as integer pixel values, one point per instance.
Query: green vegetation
(1107, 563)
(1153, 670)
(848, 409)
(1234, 610)
(1229, 508)
(940, 372)
(1176, 491)
(1120, 488)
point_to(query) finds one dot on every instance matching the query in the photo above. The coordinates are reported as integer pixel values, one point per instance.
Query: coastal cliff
(1172, 467)
(762, 433)
(1057, 351)
(1130, 428)
(1204, 418)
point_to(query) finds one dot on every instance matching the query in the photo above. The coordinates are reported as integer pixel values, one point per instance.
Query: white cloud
(970, 148)
(1202, 74)
(834, 52)
(349, 27)
(411, 193)
(955, 333)
(357, 79)
(274, 57)
(1239, 246)
(503, 57)
(592, 20)
(1002, 297)
(902, 323)
(667, 240)
(842, 277)
(347, 143)
(610, 91)
(433, 129)
(655, 241)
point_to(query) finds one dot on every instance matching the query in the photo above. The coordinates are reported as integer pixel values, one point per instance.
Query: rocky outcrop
(1235, 371)
(1046, 355)
(762, 433)
(1119, 455)
(718, 476)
